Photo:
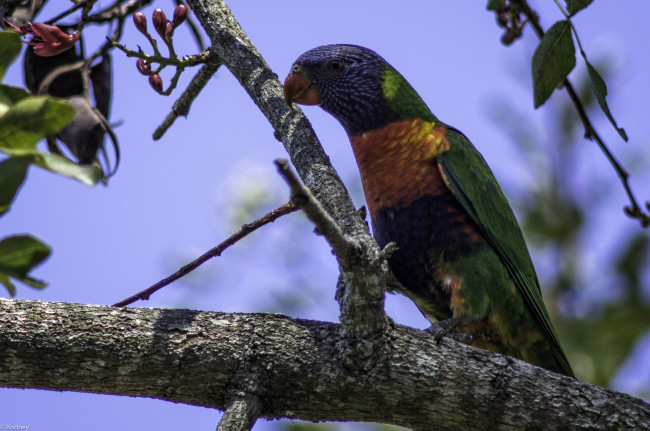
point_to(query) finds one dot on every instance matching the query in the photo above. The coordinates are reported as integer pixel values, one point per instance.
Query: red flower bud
(156, 83)
(140, 22)
(143, 67)
(169, 30)
(159, 22)
(180, 13)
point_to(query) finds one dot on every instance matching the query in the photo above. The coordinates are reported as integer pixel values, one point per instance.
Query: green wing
(472, 182)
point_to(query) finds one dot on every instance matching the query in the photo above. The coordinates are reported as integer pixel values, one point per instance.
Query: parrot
(460, 254)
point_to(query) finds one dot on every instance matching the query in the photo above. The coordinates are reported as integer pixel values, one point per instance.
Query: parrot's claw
(444, 328)
(461, 338)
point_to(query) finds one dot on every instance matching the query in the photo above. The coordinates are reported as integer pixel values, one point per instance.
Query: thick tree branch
(292, 368)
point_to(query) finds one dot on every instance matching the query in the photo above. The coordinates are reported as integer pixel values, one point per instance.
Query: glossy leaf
(12, 175)
(554, 58)
(9, 49)
(30, 120)
(87, 174)
(575, 6)
(33, 282)
(600, 91)
(19, 254)
(6, 282)
(9, 96)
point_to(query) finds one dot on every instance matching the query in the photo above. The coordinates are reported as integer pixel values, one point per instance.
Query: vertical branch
(238, 54)
(364, 272)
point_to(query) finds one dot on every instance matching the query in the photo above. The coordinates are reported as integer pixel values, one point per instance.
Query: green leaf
(12, 175)
(575, 6)
(19, 254)
(9, 49)
(87, 174)
(32, 282)
(600, 91)
(495, 4)
(12, 94)
(554, 58)
(6, 282)
(30, 120)
(9, 96)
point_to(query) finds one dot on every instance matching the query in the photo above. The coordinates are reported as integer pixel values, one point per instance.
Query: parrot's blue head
(345, 80)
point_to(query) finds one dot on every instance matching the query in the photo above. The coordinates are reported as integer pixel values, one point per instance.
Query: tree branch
(292, 367)
(246, 229)
(238, 54)
(182, 105)
(240, 414)
(326, 226)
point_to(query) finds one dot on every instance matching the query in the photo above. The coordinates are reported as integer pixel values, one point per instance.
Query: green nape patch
(402, 98)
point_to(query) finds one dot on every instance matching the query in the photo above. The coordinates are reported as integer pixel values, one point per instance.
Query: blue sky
(175, 198)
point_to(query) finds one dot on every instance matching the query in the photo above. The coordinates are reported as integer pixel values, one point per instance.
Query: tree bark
(259, 365)
(293, 369)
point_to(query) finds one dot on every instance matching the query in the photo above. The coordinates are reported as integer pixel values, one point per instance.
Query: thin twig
(246, 229)
(634, 210)
(118, 9)
(191, 60)
(65, 13)
(182, 105)
(326, 225)
(63, 69)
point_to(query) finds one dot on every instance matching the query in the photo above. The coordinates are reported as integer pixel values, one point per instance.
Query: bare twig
(241, 414)
(326, 225)
(216, 251)
(634, 210)
(61, 70)
(118, 9)
(182, 105)
(191, 60)
(74, 7)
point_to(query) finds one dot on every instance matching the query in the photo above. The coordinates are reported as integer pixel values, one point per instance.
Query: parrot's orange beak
(300, 89)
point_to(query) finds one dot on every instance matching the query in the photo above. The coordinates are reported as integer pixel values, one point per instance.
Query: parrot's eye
(335, 65)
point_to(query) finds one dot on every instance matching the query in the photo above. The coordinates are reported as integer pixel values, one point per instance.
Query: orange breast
(397, 163)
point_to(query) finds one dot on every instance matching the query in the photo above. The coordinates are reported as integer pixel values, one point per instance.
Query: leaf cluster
(24, 121)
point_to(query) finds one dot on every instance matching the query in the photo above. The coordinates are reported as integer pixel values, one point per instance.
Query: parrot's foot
(444, 328)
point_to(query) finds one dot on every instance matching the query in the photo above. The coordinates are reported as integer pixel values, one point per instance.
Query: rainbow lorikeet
(461, 256)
